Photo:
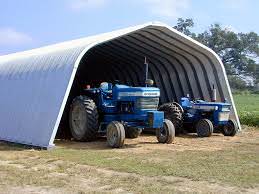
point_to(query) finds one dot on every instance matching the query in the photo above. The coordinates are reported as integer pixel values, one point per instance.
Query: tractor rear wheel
(83, 119)
(115, 134)
(166, 133)
(230, 129)
(173, 112)
(132, 133)
(204, 128)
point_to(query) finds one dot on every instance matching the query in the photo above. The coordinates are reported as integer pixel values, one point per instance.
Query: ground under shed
(49, 78)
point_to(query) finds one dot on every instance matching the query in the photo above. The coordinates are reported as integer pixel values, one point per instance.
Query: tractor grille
(147, 103)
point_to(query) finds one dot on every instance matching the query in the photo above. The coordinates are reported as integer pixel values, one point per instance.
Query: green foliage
(236, 82)
(241, 92)
(248, 108)
(184, 26)
(249, 118)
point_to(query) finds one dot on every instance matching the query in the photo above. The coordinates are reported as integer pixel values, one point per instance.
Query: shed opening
(172, 66)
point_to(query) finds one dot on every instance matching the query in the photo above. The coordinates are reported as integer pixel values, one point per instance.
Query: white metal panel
(31, 99)
(35, 84)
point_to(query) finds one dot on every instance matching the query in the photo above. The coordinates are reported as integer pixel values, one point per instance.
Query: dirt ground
(190, 165)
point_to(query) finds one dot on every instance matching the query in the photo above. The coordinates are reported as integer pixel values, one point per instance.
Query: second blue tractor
(201, 116)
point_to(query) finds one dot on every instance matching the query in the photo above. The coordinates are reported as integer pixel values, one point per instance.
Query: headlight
(225, 109)
(224, 116)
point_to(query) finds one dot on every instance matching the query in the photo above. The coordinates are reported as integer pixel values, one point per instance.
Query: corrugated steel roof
(35, 84)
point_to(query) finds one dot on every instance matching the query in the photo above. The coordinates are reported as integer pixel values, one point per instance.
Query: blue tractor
(201, 116)
(207, 117)
(119, 111)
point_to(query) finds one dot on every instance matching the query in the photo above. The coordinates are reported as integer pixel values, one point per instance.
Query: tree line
(238, 51)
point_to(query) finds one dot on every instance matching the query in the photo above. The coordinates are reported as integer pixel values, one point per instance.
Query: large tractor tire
(204, 128)
(83, 119)
(230, 129)
(115, 134)
(166, 134)
(132, 133)
(173, 112)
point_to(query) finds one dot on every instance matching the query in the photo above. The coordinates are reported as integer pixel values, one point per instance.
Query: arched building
(36, 86)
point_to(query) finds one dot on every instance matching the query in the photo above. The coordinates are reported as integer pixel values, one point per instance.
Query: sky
(27, 24)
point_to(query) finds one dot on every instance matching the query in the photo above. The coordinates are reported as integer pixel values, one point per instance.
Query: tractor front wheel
(115, 134)
(166, 133)
(230, 129)
(204, 128)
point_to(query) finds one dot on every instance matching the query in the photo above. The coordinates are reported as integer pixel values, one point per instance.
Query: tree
(184, 26)
(236, 82)
(239, 52)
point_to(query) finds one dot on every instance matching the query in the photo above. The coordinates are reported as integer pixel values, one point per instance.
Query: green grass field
(248, 108)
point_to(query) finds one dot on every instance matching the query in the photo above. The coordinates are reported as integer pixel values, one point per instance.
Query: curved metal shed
(38, 85)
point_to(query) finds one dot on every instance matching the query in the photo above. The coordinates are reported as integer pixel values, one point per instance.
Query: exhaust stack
(214, 94)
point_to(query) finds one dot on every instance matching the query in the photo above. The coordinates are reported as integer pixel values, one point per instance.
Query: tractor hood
(124, 91)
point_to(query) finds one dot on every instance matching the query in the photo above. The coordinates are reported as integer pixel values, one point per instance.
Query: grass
(35, 172)
(153, 168)
(226, 166)
(143, 166)
(248, 108)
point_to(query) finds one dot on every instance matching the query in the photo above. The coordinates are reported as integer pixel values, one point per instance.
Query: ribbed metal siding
(35, 84)
(176, 67)
(32, 91)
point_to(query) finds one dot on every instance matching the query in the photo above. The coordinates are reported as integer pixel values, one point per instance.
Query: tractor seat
(106, 89)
